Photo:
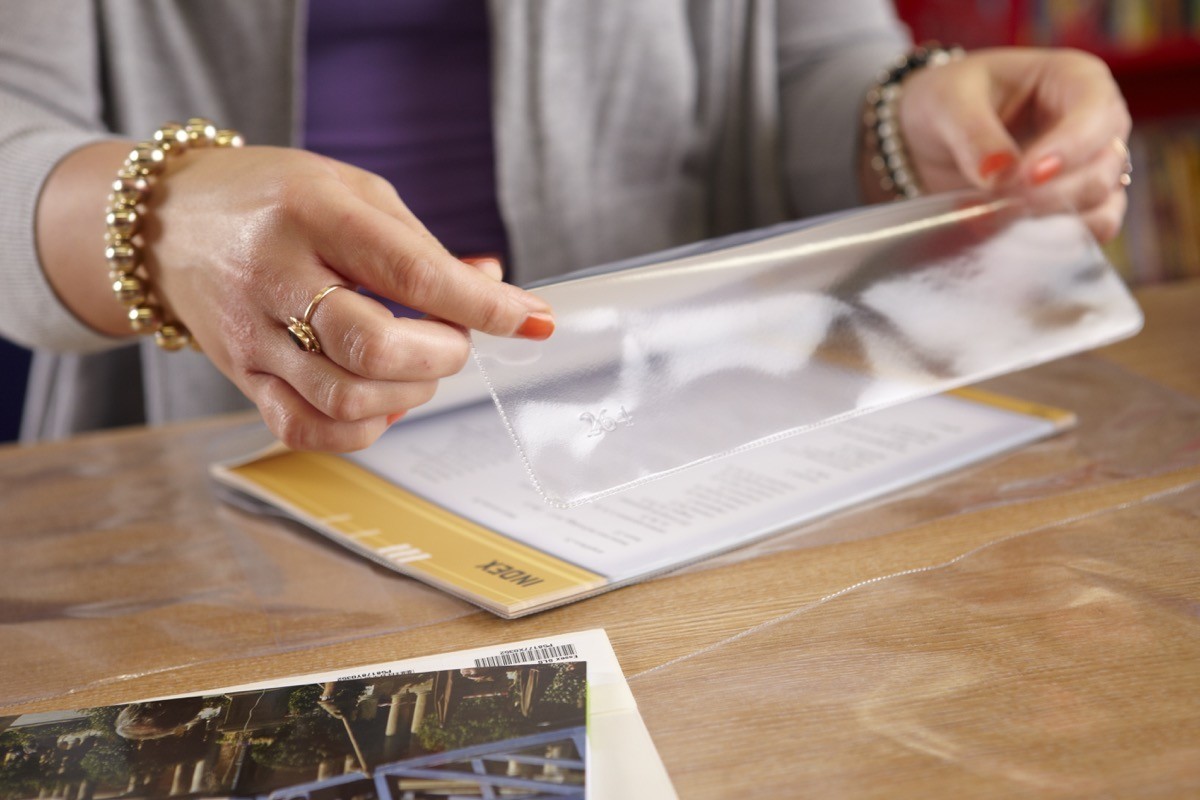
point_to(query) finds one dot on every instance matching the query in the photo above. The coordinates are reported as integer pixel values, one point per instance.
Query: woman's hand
(236, 241)
(240, 240)
(1050, 121)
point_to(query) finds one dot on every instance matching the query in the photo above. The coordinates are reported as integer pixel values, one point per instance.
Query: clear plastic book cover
(669, 361)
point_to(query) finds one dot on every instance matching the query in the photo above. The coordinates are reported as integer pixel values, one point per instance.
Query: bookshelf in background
(1153, 49)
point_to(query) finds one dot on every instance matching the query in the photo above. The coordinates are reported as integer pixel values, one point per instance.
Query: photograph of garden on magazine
(519, 730)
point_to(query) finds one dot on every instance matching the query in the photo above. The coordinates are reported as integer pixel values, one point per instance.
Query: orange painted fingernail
(996, 164)
(1045, 168)
(394, 418)
(537, 326)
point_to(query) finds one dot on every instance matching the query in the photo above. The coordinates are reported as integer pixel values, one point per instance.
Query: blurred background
(1153, 49)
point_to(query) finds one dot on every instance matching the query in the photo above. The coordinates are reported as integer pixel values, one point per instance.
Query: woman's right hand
(236, 241)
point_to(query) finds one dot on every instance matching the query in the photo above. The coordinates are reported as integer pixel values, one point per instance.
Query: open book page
(463, 461)
(553, 714)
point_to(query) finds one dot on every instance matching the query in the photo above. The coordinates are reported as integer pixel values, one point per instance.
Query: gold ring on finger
(301, 331)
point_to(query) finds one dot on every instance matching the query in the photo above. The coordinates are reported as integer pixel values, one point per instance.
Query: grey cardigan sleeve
(829, 54)
(50, 105)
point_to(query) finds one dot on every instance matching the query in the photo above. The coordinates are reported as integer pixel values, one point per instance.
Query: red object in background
(1159, 77)
(965, 22)
(1161, 81)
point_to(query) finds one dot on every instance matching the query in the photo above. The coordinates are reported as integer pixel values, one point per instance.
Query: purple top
(403, 89)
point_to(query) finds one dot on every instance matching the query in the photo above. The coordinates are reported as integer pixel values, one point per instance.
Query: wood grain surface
(126, 577)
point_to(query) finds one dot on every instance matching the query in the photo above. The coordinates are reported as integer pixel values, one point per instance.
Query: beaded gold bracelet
(123, 217)
(890, 159)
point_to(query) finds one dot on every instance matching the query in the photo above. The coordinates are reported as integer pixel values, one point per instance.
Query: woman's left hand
(1051, 121)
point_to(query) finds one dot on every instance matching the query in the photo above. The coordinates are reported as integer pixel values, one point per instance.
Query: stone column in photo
(422, 693)
(177, 785)
(397, 740)
(198, 774)
(553, 772)
(393, 721)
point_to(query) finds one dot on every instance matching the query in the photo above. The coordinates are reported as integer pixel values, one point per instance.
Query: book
(700, 398)
(444, 498)
(547, 717)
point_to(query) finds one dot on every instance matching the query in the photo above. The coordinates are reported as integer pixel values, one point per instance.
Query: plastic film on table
(669, 361)
(1057, 661)
(128, 568)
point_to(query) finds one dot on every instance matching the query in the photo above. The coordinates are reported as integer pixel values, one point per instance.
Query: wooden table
(1046, 642)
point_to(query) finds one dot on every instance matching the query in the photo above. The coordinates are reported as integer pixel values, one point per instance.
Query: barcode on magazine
(542, 652)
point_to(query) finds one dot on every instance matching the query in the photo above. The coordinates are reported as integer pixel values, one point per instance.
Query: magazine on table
(546, 717)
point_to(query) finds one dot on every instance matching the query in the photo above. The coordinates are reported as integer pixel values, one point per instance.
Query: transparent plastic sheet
(1113, 441)
(715, 348)
(1057, 662)
(123, 562)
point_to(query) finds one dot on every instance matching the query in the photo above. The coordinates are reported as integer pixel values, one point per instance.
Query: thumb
(982, 148)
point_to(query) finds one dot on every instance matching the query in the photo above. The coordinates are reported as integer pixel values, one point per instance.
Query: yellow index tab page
(412, 535)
